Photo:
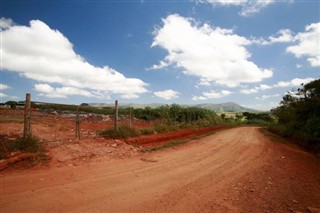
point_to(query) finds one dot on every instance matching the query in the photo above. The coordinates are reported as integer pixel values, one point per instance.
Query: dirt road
(236, 170)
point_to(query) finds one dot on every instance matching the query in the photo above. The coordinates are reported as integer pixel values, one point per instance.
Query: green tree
(299, 115)
(12, 104)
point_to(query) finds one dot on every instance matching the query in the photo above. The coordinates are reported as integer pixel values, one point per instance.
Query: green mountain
(226, 107)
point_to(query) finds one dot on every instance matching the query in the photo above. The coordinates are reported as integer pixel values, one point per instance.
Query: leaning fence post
(27, 117)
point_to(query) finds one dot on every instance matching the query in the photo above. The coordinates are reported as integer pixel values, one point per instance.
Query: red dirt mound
(160, 139)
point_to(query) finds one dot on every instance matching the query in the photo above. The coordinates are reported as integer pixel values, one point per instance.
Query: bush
(28, 144)
(162, 128)
(146, 131)
(122, 132)
(298, 116)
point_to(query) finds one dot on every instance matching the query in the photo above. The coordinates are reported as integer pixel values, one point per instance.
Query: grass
(162, 128)
(180, 142)
(121, 132)
(168, 145)
(11, 119)
(274, 137)
(29, 144)
(146, 131)
(279, 135)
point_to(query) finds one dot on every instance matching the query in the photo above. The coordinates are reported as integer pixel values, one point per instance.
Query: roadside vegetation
(169, 118)
(30, 144)
(298, 116)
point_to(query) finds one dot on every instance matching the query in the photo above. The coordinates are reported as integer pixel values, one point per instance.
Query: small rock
(294, 201)
(269, 182)
(283, 157)
(252, 190)
(114, 145)
(59, 160)
(70, 164)
(313, 210)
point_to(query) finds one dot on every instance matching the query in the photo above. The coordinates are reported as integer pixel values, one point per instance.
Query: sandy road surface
(236, 170)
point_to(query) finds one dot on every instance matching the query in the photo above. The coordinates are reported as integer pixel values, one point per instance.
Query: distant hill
(222, 107)
(126, 105)
(226, 107)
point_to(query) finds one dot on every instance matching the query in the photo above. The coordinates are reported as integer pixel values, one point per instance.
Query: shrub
(146, 131)
(122, 132)
(162, 128)
(28, 144)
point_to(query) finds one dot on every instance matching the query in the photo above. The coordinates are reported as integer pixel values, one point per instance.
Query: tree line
(298, 116)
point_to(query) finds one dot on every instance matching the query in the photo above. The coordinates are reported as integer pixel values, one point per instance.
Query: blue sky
(185, 52)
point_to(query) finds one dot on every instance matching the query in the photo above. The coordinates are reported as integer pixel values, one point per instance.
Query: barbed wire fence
(67, 126)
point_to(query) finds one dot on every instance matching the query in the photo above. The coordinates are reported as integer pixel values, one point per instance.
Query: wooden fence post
(130, 117)
(77, 125)
(116, 115)
(27, 117)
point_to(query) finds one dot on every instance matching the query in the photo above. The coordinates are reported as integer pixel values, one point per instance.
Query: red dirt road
(235, 170)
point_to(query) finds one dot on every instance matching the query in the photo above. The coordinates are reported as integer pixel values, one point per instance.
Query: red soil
(160, 139)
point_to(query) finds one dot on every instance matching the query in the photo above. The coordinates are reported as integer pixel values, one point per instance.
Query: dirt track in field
(235, 170)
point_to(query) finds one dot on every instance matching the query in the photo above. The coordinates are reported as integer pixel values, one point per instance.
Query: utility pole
(27, 117)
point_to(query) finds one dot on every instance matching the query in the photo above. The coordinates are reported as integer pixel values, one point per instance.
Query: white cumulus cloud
(263, 87)
(211, 54)
(4, 87)
(167, 94)
(212, 95)
(63, 92)
(282, 36)
(248, 91)
(5, 23)
(252, 7)
(2, 95)
(296, 82)
(45, 55)
(308, 44)
(248, 7)
(264, 97)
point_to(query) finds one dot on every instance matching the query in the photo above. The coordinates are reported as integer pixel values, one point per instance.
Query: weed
(146, 131)
(27, 144)
(176, 143)
(11, 119)
(169, 144)
(122, 132)
(162, 128)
